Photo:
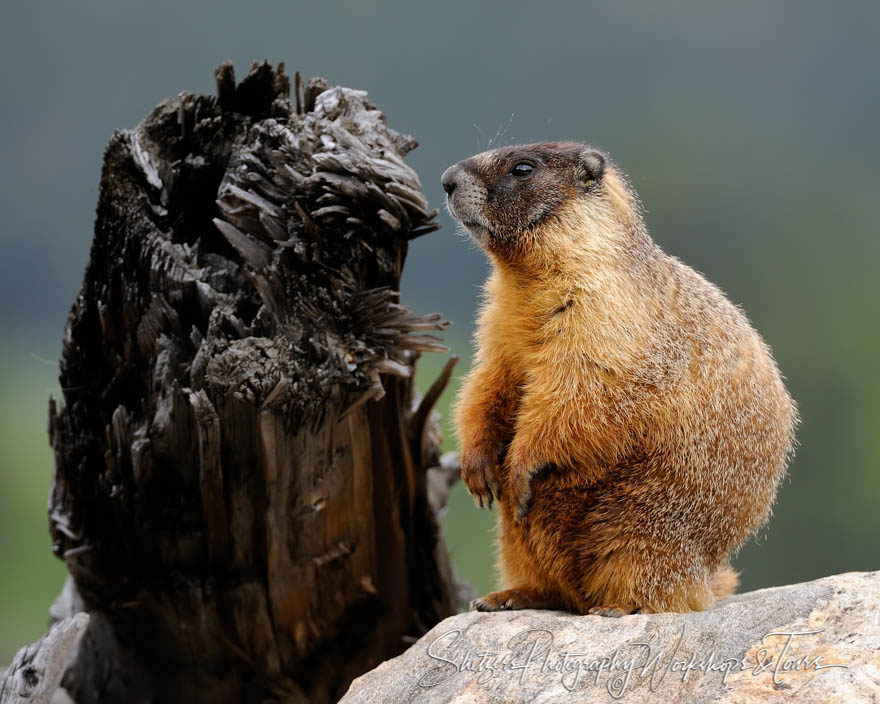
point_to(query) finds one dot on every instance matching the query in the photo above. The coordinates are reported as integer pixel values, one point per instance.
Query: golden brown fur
(628, 420)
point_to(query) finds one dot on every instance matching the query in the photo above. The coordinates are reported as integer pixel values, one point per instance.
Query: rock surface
(812, 642)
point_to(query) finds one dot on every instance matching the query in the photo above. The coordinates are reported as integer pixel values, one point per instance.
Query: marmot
(628, 420)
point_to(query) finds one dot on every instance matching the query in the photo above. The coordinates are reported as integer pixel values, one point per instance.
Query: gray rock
(812, 642)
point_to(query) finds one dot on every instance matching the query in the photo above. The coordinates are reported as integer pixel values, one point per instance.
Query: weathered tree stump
(35, 673)
(240, 492)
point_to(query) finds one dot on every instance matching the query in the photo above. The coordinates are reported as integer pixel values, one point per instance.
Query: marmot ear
(591, 167)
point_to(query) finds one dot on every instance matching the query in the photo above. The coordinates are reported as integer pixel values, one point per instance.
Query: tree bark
(241, 492)
(36, 671)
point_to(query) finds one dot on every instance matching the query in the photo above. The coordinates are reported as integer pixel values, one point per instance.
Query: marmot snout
(628, 420)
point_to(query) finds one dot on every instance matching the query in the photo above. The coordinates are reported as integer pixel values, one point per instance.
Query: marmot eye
(523, 168)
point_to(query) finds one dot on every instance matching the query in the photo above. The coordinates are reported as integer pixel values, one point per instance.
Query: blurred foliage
(749, 130)
(30, 577)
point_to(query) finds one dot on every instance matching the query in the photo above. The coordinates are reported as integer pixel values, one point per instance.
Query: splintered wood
(241, 493)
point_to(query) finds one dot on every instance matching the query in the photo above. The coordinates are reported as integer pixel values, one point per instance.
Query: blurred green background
(749, 130)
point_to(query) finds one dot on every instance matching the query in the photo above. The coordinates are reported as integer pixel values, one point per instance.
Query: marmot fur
(625, 416)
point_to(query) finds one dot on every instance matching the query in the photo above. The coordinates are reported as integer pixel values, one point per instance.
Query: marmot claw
(521, 484)
(478, 474)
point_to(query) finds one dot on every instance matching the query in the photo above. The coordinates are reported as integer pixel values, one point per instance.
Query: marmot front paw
(478, 473)
(521, 487)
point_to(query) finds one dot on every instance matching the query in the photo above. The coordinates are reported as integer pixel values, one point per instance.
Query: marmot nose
(449, 179)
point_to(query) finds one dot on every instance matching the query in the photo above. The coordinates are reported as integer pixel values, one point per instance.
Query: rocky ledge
(810, 642)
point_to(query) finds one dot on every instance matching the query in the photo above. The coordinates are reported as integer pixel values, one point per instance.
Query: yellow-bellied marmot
(626, 417)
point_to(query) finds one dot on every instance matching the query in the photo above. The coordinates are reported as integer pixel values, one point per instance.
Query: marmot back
(628, 420)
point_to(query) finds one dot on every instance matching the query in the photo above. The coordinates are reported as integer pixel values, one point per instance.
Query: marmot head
(520, 200)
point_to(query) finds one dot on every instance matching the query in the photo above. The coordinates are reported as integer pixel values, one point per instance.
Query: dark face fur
(502, 197)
